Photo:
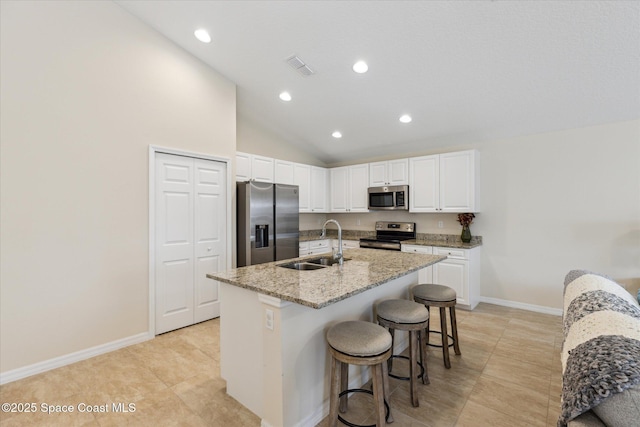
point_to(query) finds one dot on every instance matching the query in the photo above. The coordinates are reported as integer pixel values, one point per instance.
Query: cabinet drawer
(319, 244)
(451, 252)
(417, 249)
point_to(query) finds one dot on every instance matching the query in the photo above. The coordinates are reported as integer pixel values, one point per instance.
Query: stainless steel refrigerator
(268, 222)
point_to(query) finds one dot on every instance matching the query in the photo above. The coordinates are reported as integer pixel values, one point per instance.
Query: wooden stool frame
(340, 381)
(442, 305)
(414, 329)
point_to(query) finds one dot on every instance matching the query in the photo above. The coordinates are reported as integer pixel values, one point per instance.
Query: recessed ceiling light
(202, 35)
(285, 96)
(336, 134)
(405, 118)
(360, 67)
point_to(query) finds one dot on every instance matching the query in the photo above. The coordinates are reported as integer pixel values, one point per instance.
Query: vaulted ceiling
(466, 71)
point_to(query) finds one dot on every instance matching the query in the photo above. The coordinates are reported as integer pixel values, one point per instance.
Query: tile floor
(508, 374)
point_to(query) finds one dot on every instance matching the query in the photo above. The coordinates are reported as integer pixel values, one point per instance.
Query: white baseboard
(523, 306)
(67, 359)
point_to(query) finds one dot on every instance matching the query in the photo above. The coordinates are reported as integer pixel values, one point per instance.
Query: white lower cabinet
(303, 248)
(346, 244)
(460, 271)
(319, 246)
(425, 275)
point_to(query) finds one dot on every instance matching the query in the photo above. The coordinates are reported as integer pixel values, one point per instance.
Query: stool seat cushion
(359, 338)
(434, 292)
(402, 311)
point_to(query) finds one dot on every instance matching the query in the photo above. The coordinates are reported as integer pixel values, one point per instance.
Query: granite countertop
(423, 239)
(444, 243)
(367, 269)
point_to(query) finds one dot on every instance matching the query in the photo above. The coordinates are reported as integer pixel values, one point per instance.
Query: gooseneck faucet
(336, 256)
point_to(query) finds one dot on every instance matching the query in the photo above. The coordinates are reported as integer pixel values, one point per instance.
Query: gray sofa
(600, 353)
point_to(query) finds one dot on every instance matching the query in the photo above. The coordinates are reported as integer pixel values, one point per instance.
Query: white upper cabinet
(253, 167)
(392, 172)
(283, 172)
(262, 168)
(243, 166)
(319, 189)
(302, 178)
(349, 188)
(339, 189)
(444, 182)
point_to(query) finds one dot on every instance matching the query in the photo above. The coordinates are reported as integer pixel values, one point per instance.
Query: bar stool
(405, 315)
(359, 343)
(442, 297)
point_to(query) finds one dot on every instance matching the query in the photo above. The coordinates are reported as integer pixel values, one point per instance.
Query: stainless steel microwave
(392, 197)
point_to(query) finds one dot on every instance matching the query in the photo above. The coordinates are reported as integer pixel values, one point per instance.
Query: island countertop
(366, 269)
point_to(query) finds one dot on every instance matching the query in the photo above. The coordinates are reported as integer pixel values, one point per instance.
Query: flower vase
(466, 234)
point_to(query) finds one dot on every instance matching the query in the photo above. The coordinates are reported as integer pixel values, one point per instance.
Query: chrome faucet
(336, 256)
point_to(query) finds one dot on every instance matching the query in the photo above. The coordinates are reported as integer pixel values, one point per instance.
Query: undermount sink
(325, 260)
(302, 266)
(311, 264)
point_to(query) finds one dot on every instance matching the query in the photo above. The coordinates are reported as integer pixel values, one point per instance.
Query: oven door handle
(380, 245)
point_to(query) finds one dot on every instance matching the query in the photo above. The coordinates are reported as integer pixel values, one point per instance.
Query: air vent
(299, 65)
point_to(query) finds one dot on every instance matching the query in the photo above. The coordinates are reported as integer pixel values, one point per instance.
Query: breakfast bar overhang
(273, 321)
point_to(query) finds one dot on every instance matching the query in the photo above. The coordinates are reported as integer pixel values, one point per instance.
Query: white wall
(550, 203)
(555, 202)
(85, 89)
(254, 138)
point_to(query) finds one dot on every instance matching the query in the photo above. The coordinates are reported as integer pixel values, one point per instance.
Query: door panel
(210, 232)
(174, 242)
(190, 238)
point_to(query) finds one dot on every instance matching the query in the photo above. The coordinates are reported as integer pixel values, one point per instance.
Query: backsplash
(357, 234)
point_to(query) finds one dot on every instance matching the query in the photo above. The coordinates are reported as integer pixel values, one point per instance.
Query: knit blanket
(601, 348)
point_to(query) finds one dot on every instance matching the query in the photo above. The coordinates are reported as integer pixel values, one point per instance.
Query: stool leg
(445, 337)
(454, 330)
(385, 384)
(378, 394)
(393, 336)
(428, 323)
(413, 365)
(335, 391)
(344, 384)
(423, 355)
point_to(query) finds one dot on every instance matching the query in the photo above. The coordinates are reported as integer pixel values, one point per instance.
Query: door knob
(209, 249)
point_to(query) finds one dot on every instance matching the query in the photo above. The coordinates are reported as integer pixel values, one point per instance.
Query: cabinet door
(303, 248)
(319, 189)
(243, 166)
(425, 275)
(339, 189)
(283, 172)
(455, 274)
(302, 178)
(457, 183)
(424, 185)
(398, 172)
(262, 168)
(377, 174)
(358, 185)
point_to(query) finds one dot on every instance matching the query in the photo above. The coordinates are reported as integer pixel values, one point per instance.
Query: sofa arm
(588, 419)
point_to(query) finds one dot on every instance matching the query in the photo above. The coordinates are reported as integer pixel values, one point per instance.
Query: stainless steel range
(389, 235)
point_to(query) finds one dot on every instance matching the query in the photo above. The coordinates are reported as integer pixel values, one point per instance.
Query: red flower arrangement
(465, 219)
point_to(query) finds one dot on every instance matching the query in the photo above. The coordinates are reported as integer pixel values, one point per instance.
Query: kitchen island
(273, 322)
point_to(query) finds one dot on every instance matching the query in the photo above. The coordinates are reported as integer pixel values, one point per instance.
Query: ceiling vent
(298, 64)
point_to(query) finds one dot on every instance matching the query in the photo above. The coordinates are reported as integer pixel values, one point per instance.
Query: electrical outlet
(357, 222)
(440, 224)
(269, 319)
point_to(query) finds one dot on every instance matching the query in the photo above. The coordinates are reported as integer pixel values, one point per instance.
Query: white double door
(190, 236)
